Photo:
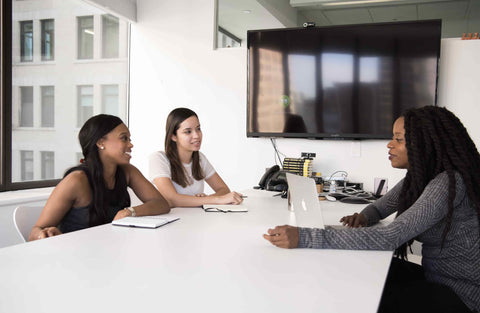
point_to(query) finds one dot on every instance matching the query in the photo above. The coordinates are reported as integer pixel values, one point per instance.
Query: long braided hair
(174, 119)
(437, 142)
(93, 130)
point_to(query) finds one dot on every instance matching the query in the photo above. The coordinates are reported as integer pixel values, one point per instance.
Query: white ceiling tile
(315, 16)
(450, 9)
(348, 16)
(394, 13)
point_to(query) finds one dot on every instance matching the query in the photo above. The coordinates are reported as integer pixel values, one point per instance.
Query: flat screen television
(348, 82)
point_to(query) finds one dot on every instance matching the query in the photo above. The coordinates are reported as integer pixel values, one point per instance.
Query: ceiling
(458, 16)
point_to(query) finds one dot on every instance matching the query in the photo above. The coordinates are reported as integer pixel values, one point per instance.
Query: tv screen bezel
(332, 136)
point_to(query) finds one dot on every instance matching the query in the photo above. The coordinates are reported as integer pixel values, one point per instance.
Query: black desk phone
(274, 179)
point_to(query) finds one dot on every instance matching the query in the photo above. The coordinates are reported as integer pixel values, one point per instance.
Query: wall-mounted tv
(339, 81)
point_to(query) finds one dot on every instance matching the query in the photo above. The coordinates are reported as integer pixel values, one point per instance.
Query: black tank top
(115, 200)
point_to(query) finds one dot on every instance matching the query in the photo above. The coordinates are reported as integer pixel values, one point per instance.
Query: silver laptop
(145, 221)
(303, 201)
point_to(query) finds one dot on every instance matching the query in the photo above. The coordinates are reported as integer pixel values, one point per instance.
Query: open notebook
(225, 208)
(145, 221)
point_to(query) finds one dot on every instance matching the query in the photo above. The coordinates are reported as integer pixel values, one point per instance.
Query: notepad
(145, 221)
(225, 208)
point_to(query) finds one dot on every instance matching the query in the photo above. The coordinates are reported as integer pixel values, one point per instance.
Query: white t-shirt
(159, 166)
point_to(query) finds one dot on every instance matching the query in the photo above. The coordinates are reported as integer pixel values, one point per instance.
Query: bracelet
(132, 210)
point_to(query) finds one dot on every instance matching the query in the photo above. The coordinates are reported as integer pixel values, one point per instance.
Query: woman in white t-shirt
(181, 171)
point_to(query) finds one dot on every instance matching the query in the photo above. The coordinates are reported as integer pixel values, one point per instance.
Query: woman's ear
(100, 145)
(174, 138)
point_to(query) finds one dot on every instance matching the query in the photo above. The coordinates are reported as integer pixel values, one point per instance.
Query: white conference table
(204, 262)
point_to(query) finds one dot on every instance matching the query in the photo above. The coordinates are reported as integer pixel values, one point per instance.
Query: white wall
(458, 86)
(173, 64)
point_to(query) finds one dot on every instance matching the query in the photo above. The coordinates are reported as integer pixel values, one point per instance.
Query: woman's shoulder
(202, 156)
(158, 155)
(77, 179)
(129, 170)
(443, 178)
(442, 181)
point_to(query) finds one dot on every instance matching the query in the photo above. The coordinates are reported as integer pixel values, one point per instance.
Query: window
(48, 40)
(110, 33)
(26, 41)
(48, 90)
(110, 99)
(85, 104)
(48, 106)
(26, 158)
(225, 39)
(85, 37)
(48, 164)
(78, 157)
(26, 106)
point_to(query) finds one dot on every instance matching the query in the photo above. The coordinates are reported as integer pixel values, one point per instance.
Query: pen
(244, 197)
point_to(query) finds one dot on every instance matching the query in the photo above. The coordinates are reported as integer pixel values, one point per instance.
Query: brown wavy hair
(179, 175)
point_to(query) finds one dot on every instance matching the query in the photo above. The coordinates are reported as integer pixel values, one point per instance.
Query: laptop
(303, 201)
(153, 221)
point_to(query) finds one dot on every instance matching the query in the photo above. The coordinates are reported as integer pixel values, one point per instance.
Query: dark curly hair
(437, 142)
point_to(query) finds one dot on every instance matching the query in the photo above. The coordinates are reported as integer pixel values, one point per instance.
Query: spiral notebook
(154, 221)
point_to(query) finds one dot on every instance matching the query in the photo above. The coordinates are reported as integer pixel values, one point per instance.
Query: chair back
(24, 217)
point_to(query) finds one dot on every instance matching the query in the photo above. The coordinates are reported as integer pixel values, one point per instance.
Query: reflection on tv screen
(340, 81)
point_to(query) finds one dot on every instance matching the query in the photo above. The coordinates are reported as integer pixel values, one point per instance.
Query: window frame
(6, 183)
(6, 101)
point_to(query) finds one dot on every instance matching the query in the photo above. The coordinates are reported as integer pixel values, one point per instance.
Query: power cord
(277, 152)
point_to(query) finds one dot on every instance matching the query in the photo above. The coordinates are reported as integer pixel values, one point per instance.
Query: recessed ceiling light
(247, 11)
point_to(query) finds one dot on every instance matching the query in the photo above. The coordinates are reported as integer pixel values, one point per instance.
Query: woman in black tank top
(95, 192)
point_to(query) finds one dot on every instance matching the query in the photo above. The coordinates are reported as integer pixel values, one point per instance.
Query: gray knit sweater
(456, 265)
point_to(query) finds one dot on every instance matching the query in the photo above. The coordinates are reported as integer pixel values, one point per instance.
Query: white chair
(24, 217)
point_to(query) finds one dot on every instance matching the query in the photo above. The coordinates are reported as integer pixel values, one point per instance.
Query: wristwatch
(132, 210)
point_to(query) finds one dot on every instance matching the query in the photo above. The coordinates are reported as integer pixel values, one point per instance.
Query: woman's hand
(231, 198)
(355, 220)
(45, 232)
(283, 236)
(122, 213)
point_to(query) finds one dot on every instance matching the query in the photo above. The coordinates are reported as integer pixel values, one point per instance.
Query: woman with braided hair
(437, 204)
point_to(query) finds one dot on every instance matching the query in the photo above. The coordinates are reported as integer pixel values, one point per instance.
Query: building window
(49, 91)
(78, 157)
(48, 106)
(110, 36)
(84, 104)
(225, 39)
(110, 99)
(26, 106)
(48, 164)
(48, 40)
(85, 37)
(26, 41)
(26, 159)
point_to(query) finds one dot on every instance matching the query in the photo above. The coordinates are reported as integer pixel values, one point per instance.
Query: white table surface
(205, 262)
